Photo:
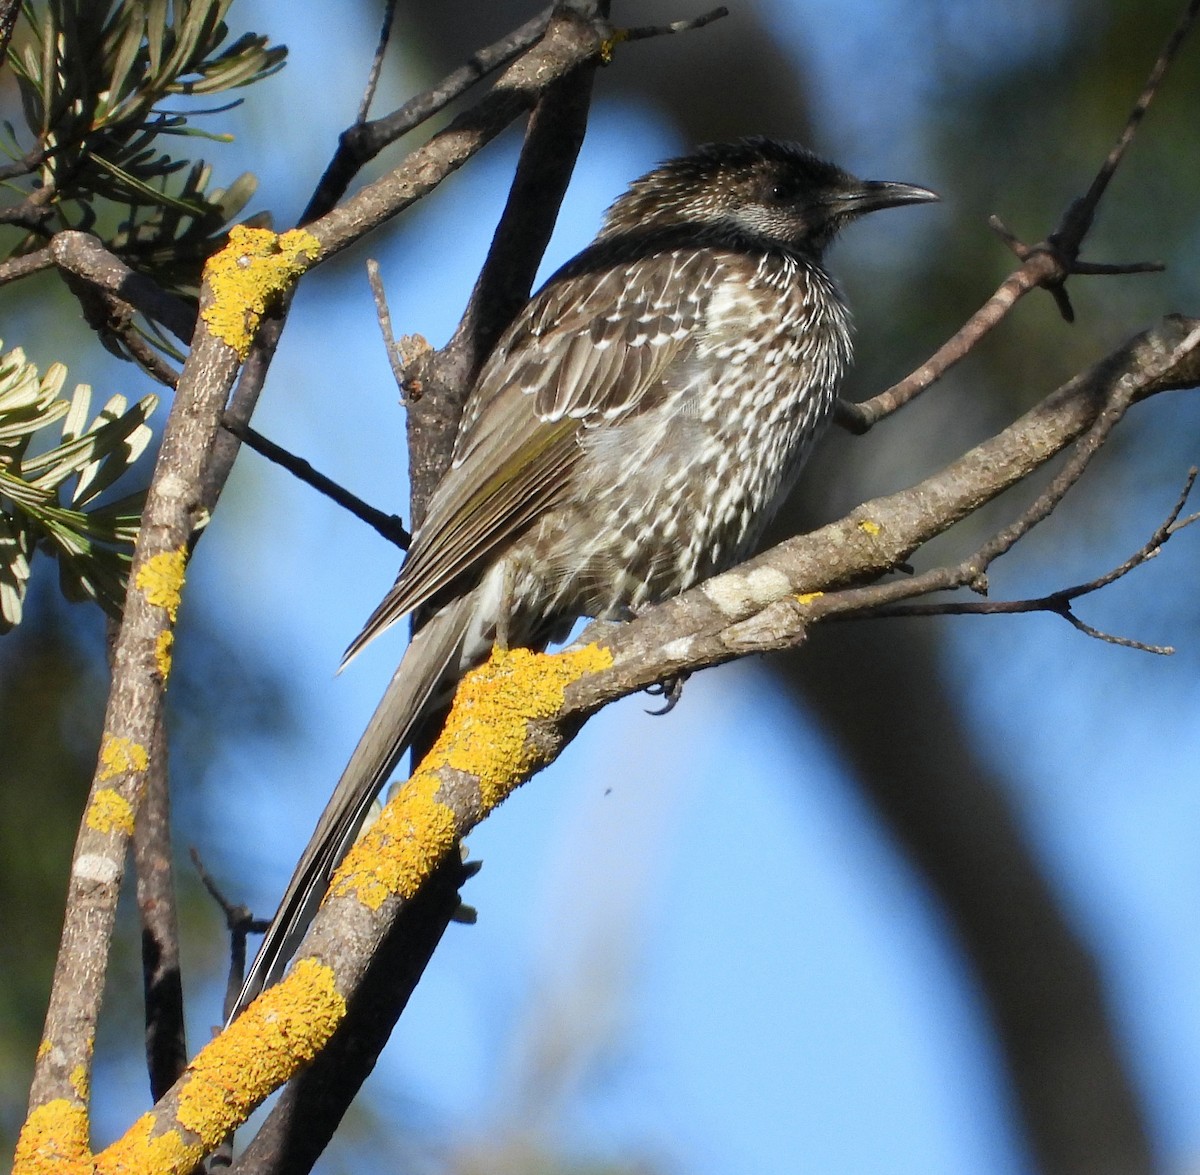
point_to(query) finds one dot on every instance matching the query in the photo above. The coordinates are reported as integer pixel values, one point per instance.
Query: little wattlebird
(631, 434)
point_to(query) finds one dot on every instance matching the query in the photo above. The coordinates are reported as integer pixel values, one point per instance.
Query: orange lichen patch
(283, 1029)
(160, 579)
(163, 645)
(109, 811)
(120, 755)
(142, 1150)
(248, 275)
(486, 732)
(808, 597)
(402, 848)
(54, 1141)
(867, 526)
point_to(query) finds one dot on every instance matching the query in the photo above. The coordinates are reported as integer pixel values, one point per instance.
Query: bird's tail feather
(429, 663)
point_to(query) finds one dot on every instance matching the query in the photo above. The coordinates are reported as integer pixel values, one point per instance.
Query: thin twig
(387, 525)
(384, 315)
(1047, 264)
(972, 571)
(1060, 602)
(1087, 208)
(385, 32)
(240, 922)
(360, 143)
(676, 26)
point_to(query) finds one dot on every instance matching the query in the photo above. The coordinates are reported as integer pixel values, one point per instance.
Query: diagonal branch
(528, 706)
(253, 268)
(1060, 602)
(1046, 265)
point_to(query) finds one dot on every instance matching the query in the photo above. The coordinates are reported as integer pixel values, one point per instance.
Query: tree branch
(1047, 264)
(531, 705)
(253, 268)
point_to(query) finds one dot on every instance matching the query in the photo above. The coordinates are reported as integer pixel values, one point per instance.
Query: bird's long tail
(430, 663)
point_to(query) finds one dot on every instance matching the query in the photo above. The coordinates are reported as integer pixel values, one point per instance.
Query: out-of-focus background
(920, 898)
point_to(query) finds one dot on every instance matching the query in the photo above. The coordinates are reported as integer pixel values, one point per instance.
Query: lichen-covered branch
(250, 272)
(516, 713)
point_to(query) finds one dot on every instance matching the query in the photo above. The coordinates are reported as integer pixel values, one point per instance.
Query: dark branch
(387, 525)
(360, 143)
(240, 922)
(1060, 602)
(641, 32)
(1047, 264)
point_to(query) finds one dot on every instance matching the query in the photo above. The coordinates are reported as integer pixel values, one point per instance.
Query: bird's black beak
(871, 195)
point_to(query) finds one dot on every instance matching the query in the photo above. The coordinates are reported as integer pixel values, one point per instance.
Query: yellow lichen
(485, 736)
(119, 755)
(867, 526)
(248, 276)
(43, 1049)
(808, 597)
(610, 43)
(110, 811)
(160, 579)
(54, 1141)
(162, 652)
(412, 834)
(80, 1082)
(283, 1029)
(141, 1150)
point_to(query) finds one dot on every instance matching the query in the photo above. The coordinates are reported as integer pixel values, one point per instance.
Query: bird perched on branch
(631, 434)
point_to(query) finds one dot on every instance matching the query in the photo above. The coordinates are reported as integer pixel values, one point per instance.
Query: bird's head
(755, 191)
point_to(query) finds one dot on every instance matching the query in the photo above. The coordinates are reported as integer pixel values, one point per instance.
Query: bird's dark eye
(782, 191)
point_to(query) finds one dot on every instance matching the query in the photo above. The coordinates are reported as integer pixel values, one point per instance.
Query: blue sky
(752, 978)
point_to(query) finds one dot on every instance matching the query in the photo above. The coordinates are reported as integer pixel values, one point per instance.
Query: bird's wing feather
(591, 347)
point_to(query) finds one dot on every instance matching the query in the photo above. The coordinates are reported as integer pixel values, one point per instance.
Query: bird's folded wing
(591, 347)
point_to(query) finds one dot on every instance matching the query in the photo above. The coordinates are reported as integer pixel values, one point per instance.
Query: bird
(631, 434)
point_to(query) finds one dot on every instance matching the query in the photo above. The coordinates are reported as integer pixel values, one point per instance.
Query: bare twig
(387, 525)
(1081, 215)
(384, 315)
(84, 257)
(676, 26)
(360, 143)
(16, 268)
(385, 32)
(1047, 264)
(239, 921)
(1060, 602)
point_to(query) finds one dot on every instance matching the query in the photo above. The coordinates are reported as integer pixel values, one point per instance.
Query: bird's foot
(671, 690)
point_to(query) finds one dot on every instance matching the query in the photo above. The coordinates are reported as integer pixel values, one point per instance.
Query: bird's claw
(671, 689)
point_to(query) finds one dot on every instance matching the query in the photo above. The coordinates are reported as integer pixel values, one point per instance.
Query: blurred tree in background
(1005, 112)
